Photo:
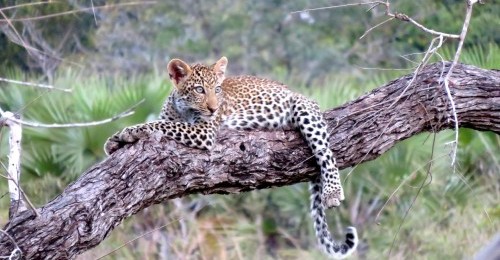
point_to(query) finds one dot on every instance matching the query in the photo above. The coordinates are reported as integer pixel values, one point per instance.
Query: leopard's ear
(220, 67)
(178, 71)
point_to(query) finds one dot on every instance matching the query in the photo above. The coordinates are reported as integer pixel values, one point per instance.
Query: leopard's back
(253, 103)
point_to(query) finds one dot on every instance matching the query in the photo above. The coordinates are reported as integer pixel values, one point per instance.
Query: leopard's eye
(218, 89)
(199, 89)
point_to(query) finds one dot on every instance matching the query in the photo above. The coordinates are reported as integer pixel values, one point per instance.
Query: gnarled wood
(150, 172)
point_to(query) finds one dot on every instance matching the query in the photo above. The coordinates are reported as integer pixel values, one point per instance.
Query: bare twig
(373, 6)
(428, 174)
(23, 194)
(430, 50)
(14, 36)
(338, 6)
(93, 11)
(406, 18)
(395, 15)
(446, 79)
(24, 5)
(78, 11)
(411, 175)
(16, 253)
(142, 235)
(34, 85)
(389, 69)
(379, 24)
(406, 57)
(125, 113)
(17, 196)
(428, 54)
(23, 43)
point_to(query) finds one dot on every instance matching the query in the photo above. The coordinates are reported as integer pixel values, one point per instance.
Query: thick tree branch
(150, 172)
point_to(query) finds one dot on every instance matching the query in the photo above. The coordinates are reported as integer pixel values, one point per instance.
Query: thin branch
(93, 11)
(373, 6)
(382, 69)
(125, 113)
(142, 235)
(411, 175)
(17, 39)
(337, 6)
(446, 80)
(379, 24)
(425, 60)
(406, 57)
(406, 18)
(16, 253)
(23, 43)
(35, 85)
(32, 50)
(428, 54)
(396, 15)
(35, 18)
(22, 193)
(28, 201)
(431, 50)
(24, 5)
(428, 174)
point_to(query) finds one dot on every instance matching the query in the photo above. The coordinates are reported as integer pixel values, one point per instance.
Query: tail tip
(351, 237)
(351, 230)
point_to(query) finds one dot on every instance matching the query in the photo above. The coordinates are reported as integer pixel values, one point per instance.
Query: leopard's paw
(112, 145)
(120, 139)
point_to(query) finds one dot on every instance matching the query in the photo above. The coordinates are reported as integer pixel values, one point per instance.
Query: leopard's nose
(212, 109)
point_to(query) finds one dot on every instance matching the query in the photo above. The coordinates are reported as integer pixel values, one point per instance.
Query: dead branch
(34, 18)
(14, 168)
(446, 81)
(151, 172)
(130, 111)
(44, 86)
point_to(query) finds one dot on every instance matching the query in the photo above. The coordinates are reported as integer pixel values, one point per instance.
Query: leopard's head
(198, 87)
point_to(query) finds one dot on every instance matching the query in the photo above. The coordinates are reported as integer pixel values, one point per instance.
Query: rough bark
(150, 172)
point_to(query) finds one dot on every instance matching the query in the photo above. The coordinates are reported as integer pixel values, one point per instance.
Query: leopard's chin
(208, 116)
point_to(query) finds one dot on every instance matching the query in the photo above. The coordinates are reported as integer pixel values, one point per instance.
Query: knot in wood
(402, 17)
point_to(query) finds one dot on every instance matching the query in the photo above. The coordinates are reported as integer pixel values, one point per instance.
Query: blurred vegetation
(120, 53)
(258, 37)
(50, 39)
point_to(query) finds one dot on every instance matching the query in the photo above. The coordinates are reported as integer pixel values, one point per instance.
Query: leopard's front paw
(120, 139)
(332, 195)
(113, 144)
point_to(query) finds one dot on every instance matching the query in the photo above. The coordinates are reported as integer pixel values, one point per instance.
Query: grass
(458, 209)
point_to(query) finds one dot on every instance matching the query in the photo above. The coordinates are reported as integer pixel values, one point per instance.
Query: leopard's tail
(334, 249)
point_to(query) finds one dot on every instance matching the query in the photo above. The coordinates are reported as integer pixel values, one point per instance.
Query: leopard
(203, 100)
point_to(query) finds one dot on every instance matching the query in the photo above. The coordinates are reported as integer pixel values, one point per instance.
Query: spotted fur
(204, 99)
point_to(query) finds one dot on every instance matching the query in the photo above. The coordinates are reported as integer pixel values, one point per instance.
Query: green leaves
(67, 152)
(485, 56)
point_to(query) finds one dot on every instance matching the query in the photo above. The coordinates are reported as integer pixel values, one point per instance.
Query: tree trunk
(150, 172)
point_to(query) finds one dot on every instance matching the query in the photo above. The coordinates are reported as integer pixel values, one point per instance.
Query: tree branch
(150, 172)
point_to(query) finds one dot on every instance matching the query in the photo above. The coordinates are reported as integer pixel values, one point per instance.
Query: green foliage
(67, 152)
(486, 56)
